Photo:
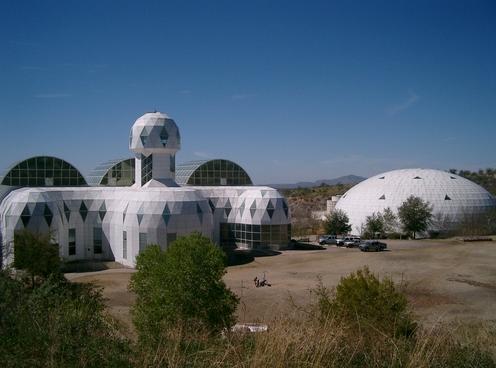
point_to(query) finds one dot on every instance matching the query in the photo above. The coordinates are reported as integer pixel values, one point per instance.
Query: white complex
(451, 196)
(46, 194)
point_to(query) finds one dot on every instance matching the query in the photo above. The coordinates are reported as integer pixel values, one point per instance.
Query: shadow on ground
(238, 257)
(89, 266)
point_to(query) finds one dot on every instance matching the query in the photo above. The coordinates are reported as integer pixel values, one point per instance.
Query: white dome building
(119, 217)
(451, 196)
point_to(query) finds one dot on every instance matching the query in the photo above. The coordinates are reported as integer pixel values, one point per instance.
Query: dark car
(372, 246)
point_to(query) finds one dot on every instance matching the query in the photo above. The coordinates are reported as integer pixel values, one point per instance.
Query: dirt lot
(447, 280)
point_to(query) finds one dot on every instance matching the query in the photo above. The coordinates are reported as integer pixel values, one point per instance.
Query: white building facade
(48, 195)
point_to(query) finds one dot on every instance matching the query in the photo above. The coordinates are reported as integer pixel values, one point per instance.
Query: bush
(36, 254)
(58, 324)
(363, 301)
(181, 287)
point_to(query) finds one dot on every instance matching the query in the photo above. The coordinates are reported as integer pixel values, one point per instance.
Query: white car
(352, 242)
(348, 242)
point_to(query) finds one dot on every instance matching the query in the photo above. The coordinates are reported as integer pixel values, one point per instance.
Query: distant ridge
(348, 179)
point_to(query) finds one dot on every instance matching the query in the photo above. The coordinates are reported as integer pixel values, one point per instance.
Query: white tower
(155, 140)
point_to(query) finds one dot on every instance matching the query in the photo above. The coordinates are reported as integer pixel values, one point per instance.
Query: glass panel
(72, 242)
(97, 240)
(42, 171)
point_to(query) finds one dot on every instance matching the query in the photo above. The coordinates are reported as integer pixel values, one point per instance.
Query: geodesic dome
(450, 195)
(154, 132)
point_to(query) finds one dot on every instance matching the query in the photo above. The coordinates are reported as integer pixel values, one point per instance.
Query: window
(97, 240)
(83, 211)
(214, 172)
(172, 163)
(43, 171)
(72, 242)
(164, 136)
(447, 198)
(142, 241)
(124, 244)
(254, 236)
(146, 169)
(382, 196)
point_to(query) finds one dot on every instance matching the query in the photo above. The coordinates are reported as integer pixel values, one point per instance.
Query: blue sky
(291, 90)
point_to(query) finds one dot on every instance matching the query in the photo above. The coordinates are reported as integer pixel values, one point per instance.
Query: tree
(389, 220)
(36, 254)
(181, 287)
(374, 224)
(337, 222)
(415, 215)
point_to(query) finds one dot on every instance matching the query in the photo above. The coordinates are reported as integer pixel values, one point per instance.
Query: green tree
(181, 287)
(36, 254)
(389, 220)
(337, 222)
(374, 224)
(415, 215)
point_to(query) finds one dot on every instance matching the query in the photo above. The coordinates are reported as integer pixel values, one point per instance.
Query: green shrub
(58, 324)
(363, 301)
(181, 287)
(36, 254)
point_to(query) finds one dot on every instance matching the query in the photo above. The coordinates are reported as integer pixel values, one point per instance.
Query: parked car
(327, 239)
(348, 241)
(352, 242)
(372, 245)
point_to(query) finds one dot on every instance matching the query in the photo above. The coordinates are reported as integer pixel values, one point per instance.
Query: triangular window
(140, 215)
(228, 208)
(285, 208)
(452, 177)
(253, 209)
(270, 209)
(447, 198)
(166, 214)
(382, 177)
(212, 205)
(382, 196)
(67, 212)
(83, 211)
(164, 136)
(25, 216)
(47, 213)
(417, 177)
(103, 211)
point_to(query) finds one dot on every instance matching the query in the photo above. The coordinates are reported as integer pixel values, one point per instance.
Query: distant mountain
(348, 179)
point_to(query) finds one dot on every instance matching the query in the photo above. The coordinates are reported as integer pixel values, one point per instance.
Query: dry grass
(293, 342)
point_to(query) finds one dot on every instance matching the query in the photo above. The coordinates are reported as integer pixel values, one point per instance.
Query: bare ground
(446, 280)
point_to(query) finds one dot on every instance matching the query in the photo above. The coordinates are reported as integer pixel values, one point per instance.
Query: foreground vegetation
(365, 321)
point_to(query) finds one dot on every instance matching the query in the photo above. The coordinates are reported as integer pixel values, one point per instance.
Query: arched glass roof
(211, 173)
(113, 173)
(42, 171)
